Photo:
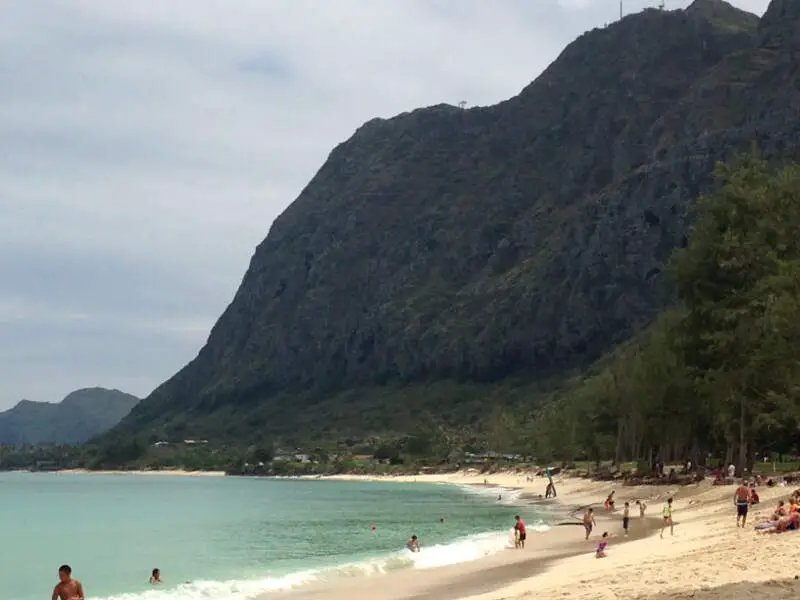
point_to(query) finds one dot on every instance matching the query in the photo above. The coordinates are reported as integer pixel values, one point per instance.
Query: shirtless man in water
(67, 588)
(742, 501)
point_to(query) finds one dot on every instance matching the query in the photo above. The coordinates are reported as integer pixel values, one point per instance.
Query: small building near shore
(45, 465)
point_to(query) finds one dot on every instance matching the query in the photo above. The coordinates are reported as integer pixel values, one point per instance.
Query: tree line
(718, 373)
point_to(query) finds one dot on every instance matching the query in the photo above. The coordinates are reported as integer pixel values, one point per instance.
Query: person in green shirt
(667, 514)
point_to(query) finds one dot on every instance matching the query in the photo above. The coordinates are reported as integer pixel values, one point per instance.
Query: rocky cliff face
(522, 238)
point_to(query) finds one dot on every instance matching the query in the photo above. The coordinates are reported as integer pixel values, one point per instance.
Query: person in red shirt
(519, 532)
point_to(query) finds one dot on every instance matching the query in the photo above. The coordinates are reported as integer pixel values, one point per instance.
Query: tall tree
(737, 281)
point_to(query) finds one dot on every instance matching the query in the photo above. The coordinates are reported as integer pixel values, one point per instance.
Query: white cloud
(146, 147)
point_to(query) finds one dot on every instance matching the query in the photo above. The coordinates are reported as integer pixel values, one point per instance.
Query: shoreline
(162, 472)
(708, 557)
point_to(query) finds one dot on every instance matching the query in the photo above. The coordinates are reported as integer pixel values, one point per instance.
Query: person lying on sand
(67, 587)
(603, 545)
(787, 523)
(588, 521)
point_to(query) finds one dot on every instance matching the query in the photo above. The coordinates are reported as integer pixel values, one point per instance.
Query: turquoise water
(226, 538)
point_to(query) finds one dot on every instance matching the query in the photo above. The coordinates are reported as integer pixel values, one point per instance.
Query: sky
(146, 147)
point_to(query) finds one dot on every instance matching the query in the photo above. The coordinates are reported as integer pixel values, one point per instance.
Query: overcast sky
(147, 145)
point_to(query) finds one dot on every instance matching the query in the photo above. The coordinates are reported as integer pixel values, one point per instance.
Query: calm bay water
(225, 538)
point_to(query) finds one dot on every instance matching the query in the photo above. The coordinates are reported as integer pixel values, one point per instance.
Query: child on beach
(642, 508)
(626, 518)
(667, 514)
(588, 521)
(601, 547)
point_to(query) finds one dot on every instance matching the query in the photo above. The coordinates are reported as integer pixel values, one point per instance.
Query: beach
(311, 538)
(707, 558)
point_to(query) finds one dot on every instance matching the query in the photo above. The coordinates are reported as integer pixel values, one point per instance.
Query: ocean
(230, 538)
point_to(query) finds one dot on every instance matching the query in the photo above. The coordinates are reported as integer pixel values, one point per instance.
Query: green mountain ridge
(445, 262)
(80, 416)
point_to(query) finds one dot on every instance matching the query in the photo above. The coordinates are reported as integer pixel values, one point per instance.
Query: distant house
(160, 444)
(45, 465)
(194, 442)
(298, 458)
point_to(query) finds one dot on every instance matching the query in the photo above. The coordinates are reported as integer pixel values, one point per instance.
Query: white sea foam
(459, 551)
(502, 495)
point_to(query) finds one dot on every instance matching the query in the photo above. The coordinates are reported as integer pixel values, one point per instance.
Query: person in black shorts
(626, 517)
(742, 500)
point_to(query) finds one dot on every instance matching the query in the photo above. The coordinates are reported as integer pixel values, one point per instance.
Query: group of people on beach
(784, 518)
(69, 588)
(589, 522)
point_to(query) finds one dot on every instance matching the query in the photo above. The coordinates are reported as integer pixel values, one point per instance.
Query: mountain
(444, 261)
(80, 416)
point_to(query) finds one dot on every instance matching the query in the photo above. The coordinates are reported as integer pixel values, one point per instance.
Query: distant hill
(78, 417)
(444, 255)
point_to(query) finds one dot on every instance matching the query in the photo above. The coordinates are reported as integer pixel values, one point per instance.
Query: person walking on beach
(667, 514)
(520, 533)
(742, 501)
(626, 517)
(67, 588)
(588, 521)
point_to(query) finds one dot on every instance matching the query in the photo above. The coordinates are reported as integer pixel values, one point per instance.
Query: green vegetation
(80, 416)
(719, 372)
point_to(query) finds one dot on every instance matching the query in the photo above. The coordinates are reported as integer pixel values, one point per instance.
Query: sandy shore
(173, 472)
(708, 558)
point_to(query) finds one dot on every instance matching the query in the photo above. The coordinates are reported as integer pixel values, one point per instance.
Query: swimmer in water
(155, 577)
(67, 587)
(413, 544)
